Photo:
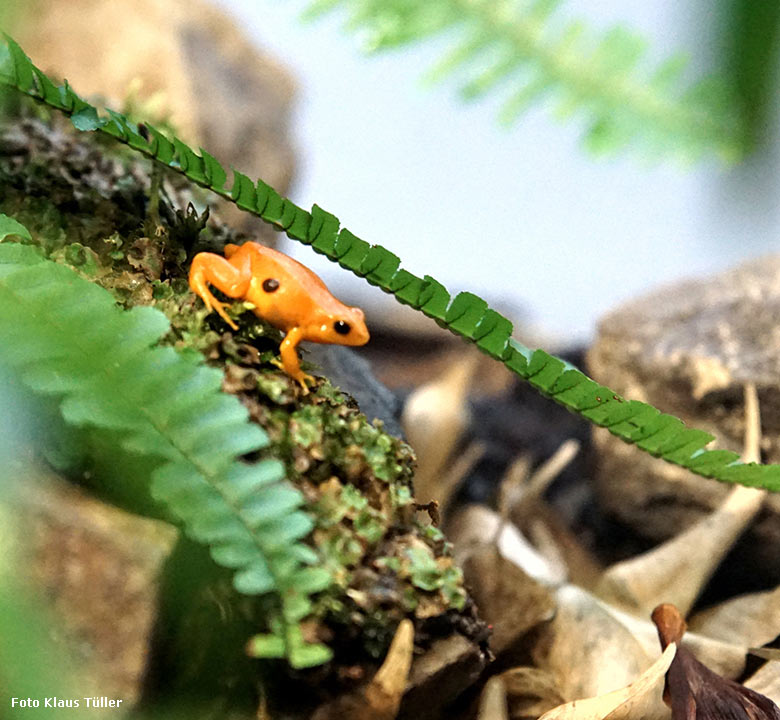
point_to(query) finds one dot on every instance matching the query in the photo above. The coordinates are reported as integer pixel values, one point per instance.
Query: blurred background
(523, 215)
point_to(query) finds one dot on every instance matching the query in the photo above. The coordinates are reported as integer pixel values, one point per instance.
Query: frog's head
(345, 327)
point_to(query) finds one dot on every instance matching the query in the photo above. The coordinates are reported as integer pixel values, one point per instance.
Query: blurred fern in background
(528, 51)
(750, 41)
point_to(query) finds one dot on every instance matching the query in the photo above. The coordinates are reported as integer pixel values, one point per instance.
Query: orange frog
(284, 293)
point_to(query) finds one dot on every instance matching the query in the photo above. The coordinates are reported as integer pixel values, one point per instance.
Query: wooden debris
(677, 570)
(492, 702)
(640, 699)
(440, 675)
(530, 692)
(381, 698)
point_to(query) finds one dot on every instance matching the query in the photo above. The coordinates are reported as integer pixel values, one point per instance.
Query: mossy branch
(466, 315)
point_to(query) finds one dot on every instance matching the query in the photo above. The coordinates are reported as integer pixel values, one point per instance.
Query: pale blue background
(457, 196)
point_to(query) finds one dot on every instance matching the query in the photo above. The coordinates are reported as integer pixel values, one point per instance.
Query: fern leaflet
(466, 315)
(65, 337)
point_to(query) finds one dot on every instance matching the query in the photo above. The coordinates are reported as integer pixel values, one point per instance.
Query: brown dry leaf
(530, 692)
(507, 598)
(677, 570)
(492, 702)
(639, 700)
(434, 418)
(522, 501)
(586, 649)
(554, 539)
(456, 472)
(541, 478)
(381, 698)
(766, 681)
(476, 526)
(694, 692)
(750, 620)
(724, 658)
(767, 653)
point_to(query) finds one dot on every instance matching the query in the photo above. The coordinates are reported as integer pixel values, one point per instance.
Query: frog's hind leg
(290, 362)
(210, 269)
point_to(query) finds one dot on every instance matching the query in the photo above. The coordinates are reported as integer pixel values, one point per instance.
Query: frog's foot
(220, 308)
(212, 303)
(300, 377)
(306, 378)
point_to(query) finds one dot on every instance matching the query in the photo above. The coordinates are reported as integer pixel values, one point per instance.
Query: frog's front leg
(290, 363)
(210, 269)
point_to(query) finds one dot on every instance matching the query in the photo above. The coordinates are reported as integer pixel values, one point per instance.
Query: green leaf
(9, 226)
(162, 148)
(215, 173)
(266, 646)
(23, 68)
(243, 192)
(306, 656)
(312, 580)
(87, 119)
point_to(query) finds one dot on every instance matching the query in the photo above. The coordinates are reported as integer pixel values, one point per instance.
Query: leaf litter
(589, 650)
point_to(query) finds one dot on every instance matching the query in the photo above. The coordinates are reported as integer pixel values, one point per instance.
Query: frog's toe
(220, 308)
(305, 378)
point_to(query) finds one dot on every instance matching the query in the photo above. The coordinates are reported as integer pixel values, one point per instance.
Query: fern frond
(9, 226)
(66, 338)
(466, 315)
(526, 47)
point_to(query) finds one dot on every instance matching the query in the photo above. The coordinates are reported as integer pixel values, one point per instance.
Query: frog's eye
(341, 327)
(270, 285)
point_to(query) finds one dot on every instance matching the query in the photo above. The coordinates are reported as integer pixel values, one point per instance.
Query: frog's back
(267, 258)
(301, 284)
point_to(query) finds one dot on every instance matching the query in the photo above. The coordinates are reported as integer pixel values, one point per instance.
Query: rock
(98, 568)
(444, 672)
(688, 349)
(354, 375)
